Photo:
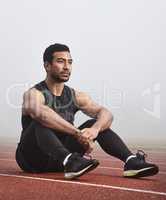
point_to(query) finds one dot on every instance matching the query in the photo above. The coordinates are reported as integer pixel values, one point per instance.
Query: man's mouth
(65, 74)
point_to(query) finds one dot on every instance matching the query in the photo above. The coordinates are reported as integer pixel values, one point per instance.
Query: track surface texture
(105, 182)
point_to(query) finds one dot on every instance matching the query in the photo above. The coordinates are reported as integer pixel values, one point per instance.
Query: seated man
(49, 140)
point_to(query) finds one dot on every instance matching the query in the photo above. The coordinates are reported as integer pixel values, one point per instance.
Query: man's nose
(67, 65)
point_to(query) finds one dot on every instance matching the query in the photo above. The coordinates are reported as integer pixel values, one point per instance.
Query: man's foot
(137, 167)
(76, 166)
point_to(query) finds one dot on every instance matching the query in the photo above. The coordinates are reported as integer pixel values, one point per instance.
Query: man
(49, 140)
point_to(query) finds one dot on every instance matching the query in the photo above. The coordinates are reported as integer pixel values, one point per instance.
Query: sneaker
(76, 166)
(137, 167)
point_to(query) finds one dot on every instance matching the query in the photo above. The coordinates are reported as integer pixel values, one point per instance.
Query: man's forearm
(104, 120)
(49, 118)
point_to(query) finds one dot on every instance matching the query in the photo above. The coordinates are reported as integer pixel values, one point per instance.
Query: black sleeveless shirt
(65, 105)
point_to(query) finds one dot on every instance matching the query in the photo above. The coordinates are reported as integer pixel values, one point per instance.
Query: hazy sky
(118, 48)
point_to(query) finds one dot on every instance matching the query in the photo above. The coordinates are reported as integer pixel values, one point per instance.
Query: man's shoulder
(74, 89)
(34, 89)
(80, 96)
(39, 85)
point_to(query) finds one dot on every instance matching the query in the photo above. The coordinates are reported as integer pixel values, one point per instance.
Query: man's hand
(90, 133)
(85, 142)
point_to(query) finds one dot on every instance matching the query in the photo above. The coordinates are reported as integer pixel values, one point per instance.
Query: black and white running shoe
(76, 166)
(137, 167)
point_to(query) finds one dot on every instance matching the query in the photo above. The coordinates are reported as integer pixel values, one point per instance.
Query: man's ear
(46, 66)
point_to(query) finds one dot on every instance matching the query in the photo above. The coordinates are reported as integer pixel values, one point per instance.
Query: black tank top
(65, 105)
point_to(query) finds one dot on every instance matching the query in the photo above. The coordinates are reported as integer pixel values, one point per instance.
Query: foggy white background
(118, 48)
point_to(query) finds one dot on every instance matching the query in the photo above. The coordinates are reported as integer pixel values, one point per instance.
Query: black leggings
(41, 149)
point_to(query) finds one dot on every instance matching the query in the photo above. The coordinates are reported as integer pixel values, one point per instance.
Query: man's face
(61, 66)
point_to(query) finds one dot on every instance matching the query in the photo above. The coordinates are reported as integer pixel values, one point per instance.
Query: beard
(58, 79)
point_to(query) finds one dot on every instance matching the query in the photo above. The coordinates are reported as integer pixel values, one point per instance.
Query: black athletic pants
(41, 149)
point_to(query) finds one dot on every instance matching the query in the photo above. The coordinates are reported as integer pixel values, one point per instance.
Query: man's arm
(103, 116)
(33, 105)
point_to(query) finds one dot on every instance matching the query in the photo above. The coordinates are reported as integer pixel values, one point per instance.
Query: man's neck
(55, 88)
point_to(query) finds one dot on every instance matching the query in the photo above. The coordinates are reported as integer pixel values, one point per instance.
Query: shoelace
(141, 155)
(77, 156)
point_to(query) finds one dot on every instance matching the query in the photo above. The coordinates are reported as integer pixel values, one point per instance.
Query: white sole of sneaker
(72, 175)
(140, 173)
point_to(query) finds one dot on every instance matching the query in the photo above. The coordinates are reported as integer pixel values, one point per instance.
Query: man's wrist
(97, 127)
(76, 133)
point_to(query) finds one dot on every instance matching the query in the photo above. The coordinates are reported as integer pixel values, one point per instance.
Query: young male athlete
(49, 140)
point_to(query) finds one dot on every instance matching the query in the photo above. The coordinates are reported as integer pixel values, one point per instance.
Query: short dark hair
(48, 53)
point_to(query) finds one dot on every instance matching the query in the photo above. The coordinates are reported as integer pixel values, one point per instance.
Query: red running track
(105, 182)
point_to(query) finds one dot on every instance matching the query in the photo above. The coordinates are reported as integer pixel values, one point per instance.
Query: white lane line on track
(7, 159)
(100, 167)
(88, 184)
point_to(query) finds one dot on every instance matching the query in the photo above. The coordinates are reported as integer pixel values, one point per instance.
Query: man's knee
(104, 133)
(35, 123)
(39, 126)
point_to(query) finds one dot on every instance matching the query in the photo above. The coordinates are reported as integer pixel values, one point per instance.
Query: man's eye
(60, 61)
